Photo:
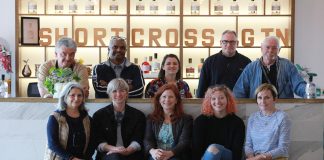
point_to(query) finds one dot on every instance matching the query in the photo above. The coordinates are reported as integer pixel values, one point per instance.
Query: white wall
(309, 34)
(7, 31)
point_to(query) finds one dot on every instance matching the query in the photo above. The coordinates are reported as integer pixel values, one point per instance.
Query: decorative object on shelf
(234, 8)
(32, 7)
(113, 7)
(57, 78)
(218, 7)
(89, 69)
(311, 91)
(154, 7)
(36, 69)
(26, 72)
(73, 7)
(170, 8)
(195, 8)
(253, 7)
(190, 69)
(275, 7)
(30, 30)
(5, 57)
(58, 7)
(140, 7)
(89, 7)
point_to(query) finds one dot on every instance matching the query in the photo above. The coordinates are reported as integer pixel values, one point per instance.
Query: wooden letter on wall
(211, 38)
(58, 35)
(250, 39)
(98, 37)
(117, 30)
(176, 38)
(266, 31)
(193, 38)
(284, 39)
(154, 35)
(141, 32)
(85, 36)
(44, 36)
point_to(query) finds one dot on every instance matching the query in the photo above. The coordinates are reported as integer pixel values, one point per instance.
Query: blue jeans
(221, 153)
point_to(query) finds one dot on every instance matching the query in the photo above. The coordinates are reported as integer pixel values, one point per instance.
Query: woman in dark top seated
(168, 129)
(218, 134)
(119, 127)
(68, 128)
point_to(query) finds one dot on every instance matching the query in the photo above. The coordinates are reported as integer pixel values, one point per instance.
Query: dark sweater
(219, 69)
(228, 131)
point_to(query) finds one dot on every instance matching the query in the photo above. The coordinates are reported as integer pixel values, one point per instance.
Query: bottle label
(310, 90)
(218, 8)
(154, 8)
(235, 8)
(89, 7)
(275, 7)
(253, 8)
(146, 68)
(58, 7)
(155, 66)
(190, 70)
(170, 8)
(113, 7)
(140, 7)
(32, 6)
(73, 7)
(195, 8)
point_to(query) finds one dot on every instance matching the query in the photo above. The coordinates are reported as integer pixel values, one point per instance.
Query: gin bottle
(253, 7)
(155, 64)
(113, 7)
(58, 7)
(146, 67)
(3, 87)
(73, 7)
(154, 7)
(218, 7)
(89, 7)
(195, 8)
(234, 8)
(275, 7)
(32, 7)
(170, 8)
(140, 7)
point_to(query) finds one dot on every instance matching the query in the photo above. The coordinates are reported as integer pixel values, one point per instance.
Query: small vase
(26, 72)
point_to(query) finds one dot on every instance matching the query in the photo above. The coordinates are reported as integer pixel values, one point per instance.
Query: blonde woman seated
(268, 130)
(168, 128)
(68, 128)
(218, 134)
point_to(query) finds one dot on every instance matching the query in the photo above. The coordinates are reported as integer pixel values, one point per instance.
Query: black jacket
(132, 128)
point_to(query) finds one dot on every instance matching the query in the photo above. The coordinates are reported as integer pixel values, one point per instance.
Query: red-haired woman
(218, 133)
(168, 130)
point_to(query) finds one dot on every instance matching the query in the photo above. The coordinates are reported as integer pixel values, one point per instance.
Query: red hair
(158, 114)
(207, 108)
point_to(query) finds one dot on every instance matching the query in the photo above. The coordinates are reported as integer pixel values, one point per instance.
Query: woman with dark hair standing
(168, 128)
(68, 128)
(218, 133)
(170, 73)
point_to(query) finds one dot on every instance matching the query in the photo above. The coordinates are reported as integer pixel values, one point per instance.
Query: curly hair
(207, 108)
(158, 114)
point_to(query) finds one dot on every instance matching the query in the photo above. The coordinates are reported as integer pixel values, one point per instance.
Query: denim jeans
(222, 154)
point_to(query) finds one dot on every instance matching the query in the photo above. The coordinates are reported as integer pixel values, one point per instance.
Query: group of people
(119, 131)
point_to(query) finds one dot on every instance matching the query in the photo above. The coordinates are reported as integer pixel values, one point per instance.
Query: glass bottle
(155, 64)
(190, 69)
(113, 7)
(3, 87)
(234, 8)
(154, 7)
(89, 7)
(73, 7)
(170, 8)
(275, 7)
(195, 7)
(253, 7)
(58, 7)
(136, 61)
(32, 7)
(218, 7)
(140, 7)
(310, 88)
(146, 67)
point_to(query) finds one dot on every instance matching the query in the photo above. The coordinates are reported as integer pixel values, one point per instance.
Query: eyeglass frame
(225, 42)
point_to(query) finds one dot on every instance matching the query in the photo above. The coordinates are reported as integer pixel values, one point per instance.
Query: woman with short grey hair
(119, 127)
(68, 128)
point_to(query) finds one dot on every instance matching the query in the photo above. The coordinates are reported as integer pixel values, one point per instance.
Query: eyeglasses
(225, 42)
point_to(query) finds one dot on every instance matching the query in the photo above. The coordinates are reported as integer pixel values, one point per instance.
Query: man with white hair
(272, 69)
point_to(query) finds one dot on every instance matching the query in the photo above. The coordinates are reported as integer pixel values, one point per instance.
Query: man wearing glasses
(272, 69)
(225, 67)
(117, 66)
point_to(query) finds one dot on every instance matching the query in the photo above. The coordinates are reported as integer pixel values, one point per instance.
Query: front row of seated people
(119, 132)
